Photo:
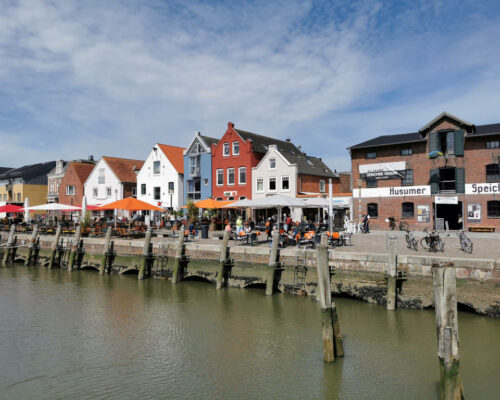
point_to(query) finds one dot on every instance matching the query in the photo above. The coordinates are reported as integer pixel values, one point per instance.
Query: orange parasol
(129, 204)
(211, 203)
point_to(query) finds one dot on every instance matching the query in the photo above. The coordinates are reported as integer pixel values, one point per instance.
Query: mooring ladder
(300, 269)
(161, 260)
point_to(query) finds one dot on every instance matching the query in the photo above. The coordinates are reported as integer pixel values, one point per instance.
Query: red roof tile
(82, 170)
(124, 168)
(174, 155)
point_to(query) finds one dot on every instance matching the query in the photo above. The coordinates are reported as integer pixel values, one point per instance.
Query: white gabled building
(112, 179)
(161, 179)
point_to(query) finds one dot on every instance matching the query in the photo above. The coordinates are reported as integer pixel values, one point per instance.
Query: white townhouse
(112, 179)
(161, 179)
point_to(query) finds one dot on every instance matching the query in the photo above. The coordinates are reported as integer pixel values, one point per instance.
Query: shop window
(371, 183)
(494, 209)
(220, 177)
(407, 210)
(408, 178)
(371, 155)
(230, 176)
(493, 173)
(407, 152)
(493, 144)
(372, 209)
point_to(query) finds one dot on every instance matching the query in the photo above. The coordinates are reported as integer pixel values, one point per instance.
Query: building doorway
(453, 213)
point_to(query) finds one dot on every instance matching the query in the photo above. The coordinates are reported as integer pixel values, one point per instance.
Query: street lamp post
(360, 210)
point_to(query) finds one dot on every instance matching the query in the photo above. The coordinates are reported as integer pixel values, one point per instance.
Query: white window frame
(322, 184)
(238, 145)
(282, 179)
(221, 171)
(257, 185)
(70, 192)
(228, 174)
(269, 184)
(239, 175)
(272, 159)
(225, 146)
(95, 192)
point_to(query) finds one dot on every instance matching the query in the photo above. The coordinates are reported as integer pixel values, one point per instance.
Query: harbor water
(83, 336)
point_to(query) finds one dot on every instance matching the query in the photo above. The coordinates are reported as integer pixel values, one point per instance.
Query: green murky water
(83, 336)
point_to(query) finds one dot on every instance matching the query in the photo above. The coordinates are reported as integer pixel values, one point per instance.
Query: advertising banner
(423, 213)
(473, 212)
(382, 171)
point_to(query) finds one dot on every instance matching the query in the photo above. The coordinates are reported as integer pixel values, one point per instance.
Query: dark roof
(29, 171)
(260, 143)
(386, 140)
(308, 165)
(490, 129)
(4, 169)
(209, 140)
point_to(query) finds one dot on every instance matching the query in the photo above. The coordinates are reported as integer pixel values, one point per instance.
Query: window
(408, 178)
(230, 176)
(371, 154)
(194, 189)
(371, 183)
(407, 210)
(205, 182)
(101, 178)
(157, 192)
(272, 184)
(447, 181)
(260, 185)
(322, 186)
(219, 198)
(108, 192)
(94, 192)
(285, 183)
(134, 192)
(171, 187)
(220, 177)
(236, 148)
(493, 144)
(493, 173)
(243, 197)
(406, 152)
(242, 175)
(372, 209)
(493, 209)
(447, 142)
(143, 188)
(19, 197)
(194, 166)
(70, 190)
(272, 163)
(225, 149)
(156, 167)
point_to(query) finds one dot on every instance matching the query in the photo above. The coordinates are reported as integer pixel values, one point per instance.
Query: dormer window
(225, 150)
(236, 148)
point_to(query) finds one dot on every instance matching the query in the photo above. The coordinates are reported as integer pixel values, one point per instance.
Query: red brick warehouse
(446, 174)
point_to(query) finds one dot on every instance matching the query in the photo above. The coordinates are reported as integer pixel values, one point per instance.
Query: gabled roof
(4, 170)
(124, 168)
(209, 140)
(307, 165)
(386, 140)
(445, 114)
(29, 171)
(490, 129)
(174, 155)
(260, 144)
(82, 170)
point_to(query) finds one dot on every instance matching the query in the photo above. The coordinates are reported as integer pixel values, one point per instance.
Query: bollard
(145, 253)
(31, 245)
(222, 261)
(332, 338)
(273, 258)
(180, 250)
(74, 248)
(53, 249)
(445, 304)
(10, 240)
(104, 259)
(391, 272)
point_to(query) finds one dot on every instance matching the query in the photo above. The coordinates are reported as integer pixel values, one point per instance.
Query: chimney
(91, 158)
(287, 139)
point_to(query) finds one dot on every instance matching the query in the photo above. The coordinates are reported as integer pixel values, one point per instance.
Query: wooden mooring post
(178, 254)
(273, 259)
(332, 338)
(32, 244)
(104, 258)
(74, 248)
(145, 255)
(445, 303)
(10, 240)
(53, 248)
(222, 272)
(391, 272)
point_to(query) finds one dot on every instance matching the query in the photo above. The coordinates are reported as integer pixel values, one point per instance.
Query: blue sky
(115, 77)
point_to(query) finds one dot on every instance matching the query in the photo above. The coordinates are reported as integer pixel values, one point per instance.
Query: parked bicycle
(403, 226)
(432, 242)
(465, 242)
(411, 242)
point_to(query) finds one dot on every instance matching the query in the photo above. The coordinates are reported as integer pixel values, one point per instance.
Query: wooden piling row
(178, 254)
(74, 248)
(222, 271)
(53, 248)
(104, 258)
(34, 235)
(273, 259)
(10, 240)
(145, 254)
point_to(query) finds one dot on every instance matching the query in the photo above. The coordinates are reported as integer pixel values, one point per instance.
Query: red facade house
(71, 189)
